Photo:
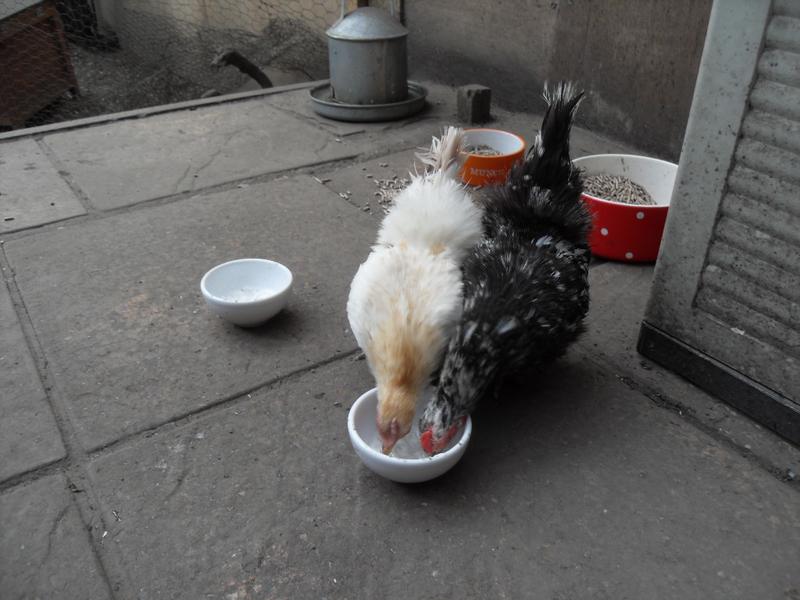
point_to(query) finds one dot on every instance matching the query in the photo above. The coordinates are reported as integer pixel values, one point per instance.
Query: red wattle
(426, 440)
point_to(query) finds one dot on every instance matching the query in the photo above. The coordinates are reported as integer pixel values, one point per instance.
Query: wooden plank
(35, 62)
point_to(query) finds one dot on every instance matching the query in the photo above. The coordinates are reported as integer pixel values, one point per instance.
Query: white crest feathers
(444, 154)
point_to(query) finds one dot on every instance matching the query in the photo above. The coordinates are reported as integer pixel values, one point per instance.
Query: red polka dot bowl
(629, 232)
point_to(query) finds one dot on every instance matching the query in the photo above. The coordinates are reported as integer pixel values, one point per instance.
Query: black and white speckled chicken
(525, 285)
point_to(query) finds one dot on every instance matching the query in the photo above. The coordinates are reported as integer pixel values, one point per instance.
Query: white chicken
(406, 297)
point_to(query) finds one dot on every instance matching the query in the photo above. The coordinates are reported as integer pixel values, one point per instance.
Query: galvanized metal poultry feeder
(368, 69)
(367, 58)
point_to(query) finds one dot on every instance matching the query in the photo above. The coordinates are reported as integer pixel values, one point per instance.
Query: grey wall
(637, 59)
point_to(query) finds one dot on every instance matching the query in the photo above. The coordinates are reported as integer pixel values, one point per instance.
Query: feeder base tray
(326, 106)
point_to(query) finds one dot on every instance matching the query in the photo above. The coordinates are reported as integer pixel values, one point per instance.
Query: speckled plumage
(525, 291)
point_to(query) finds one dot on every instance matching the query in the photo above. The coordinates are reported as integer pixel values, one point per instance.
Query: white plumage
(404, 302)
(434, 214)
(406, 297)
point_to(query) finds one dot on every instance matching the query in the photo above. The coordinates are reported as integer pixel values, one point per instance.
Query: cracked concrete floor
(150, 450)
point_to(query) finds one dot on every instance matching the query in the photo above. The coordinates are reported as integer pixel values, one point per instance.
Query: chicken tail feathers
(545, 188)
(444, 154)
(551, 147)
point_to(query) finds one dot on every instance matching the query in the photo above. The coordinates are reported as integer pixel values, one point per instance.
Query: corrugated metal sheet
(780, 65)
(729, 257)
(751, 280)
(729, 309)
(764, 189)
(769, 160)
(776, 98)
(758, 244)
(789, 8)
(775, 222)
(783, 33)
(772, 129)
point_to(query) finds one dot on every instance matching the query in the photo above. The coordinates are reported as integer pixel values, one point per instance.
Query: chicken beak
(389, 438)
(387, 443)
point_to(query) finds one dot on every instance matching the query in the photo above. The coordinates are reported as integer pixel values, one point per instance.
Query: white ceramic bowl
(364, 437)
(247, 291)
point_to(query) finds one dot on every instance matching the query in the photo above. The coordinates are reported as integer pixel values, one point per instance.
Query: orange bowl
(487, 170)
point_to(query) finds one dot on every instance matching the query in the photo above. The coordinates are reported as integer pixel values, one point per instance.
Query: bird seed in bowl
(616, 188)
(481, 150)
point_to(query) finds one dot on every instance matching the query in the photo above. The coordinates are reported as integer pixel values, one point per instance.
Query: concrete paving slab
(31, 190)
(373, 140)
(411, 136)
(440, 105)
(298, 103)
(581, 489)
(595, 481)
(133, 344)
(130, 161)
(359, 182)
(46, 551)
(258, 496)
(619, 294)
(29, 437)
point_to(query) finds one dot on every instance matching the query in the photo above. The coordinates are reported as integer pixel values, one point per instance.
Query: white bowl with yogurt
(407, 463)
(247, 291)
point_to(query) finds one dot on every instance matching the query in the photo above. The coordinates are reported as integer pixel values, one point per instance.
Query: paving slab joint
(74, 466)
(56, 466)
(176, 197)
(155, 110)
(220, 405)
(65, 175)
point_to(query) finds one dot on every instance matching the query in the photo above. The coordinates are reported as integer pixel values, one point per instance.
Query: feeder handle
(392, 9)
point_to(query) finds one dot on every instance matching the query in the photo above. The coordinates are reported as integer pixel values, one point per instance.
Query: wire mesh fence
(68, 59)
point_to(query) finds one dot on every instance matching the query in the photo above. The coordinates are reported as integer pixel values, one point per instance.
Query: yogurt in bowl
(247, 291)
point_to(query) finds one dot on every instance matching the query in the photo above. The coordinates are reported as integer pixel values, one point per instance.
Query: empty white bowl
(364, 436)
(247, 291)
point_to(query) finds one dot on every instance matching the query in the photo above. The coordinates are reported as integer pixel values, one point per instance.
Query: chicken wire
(67, 59)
